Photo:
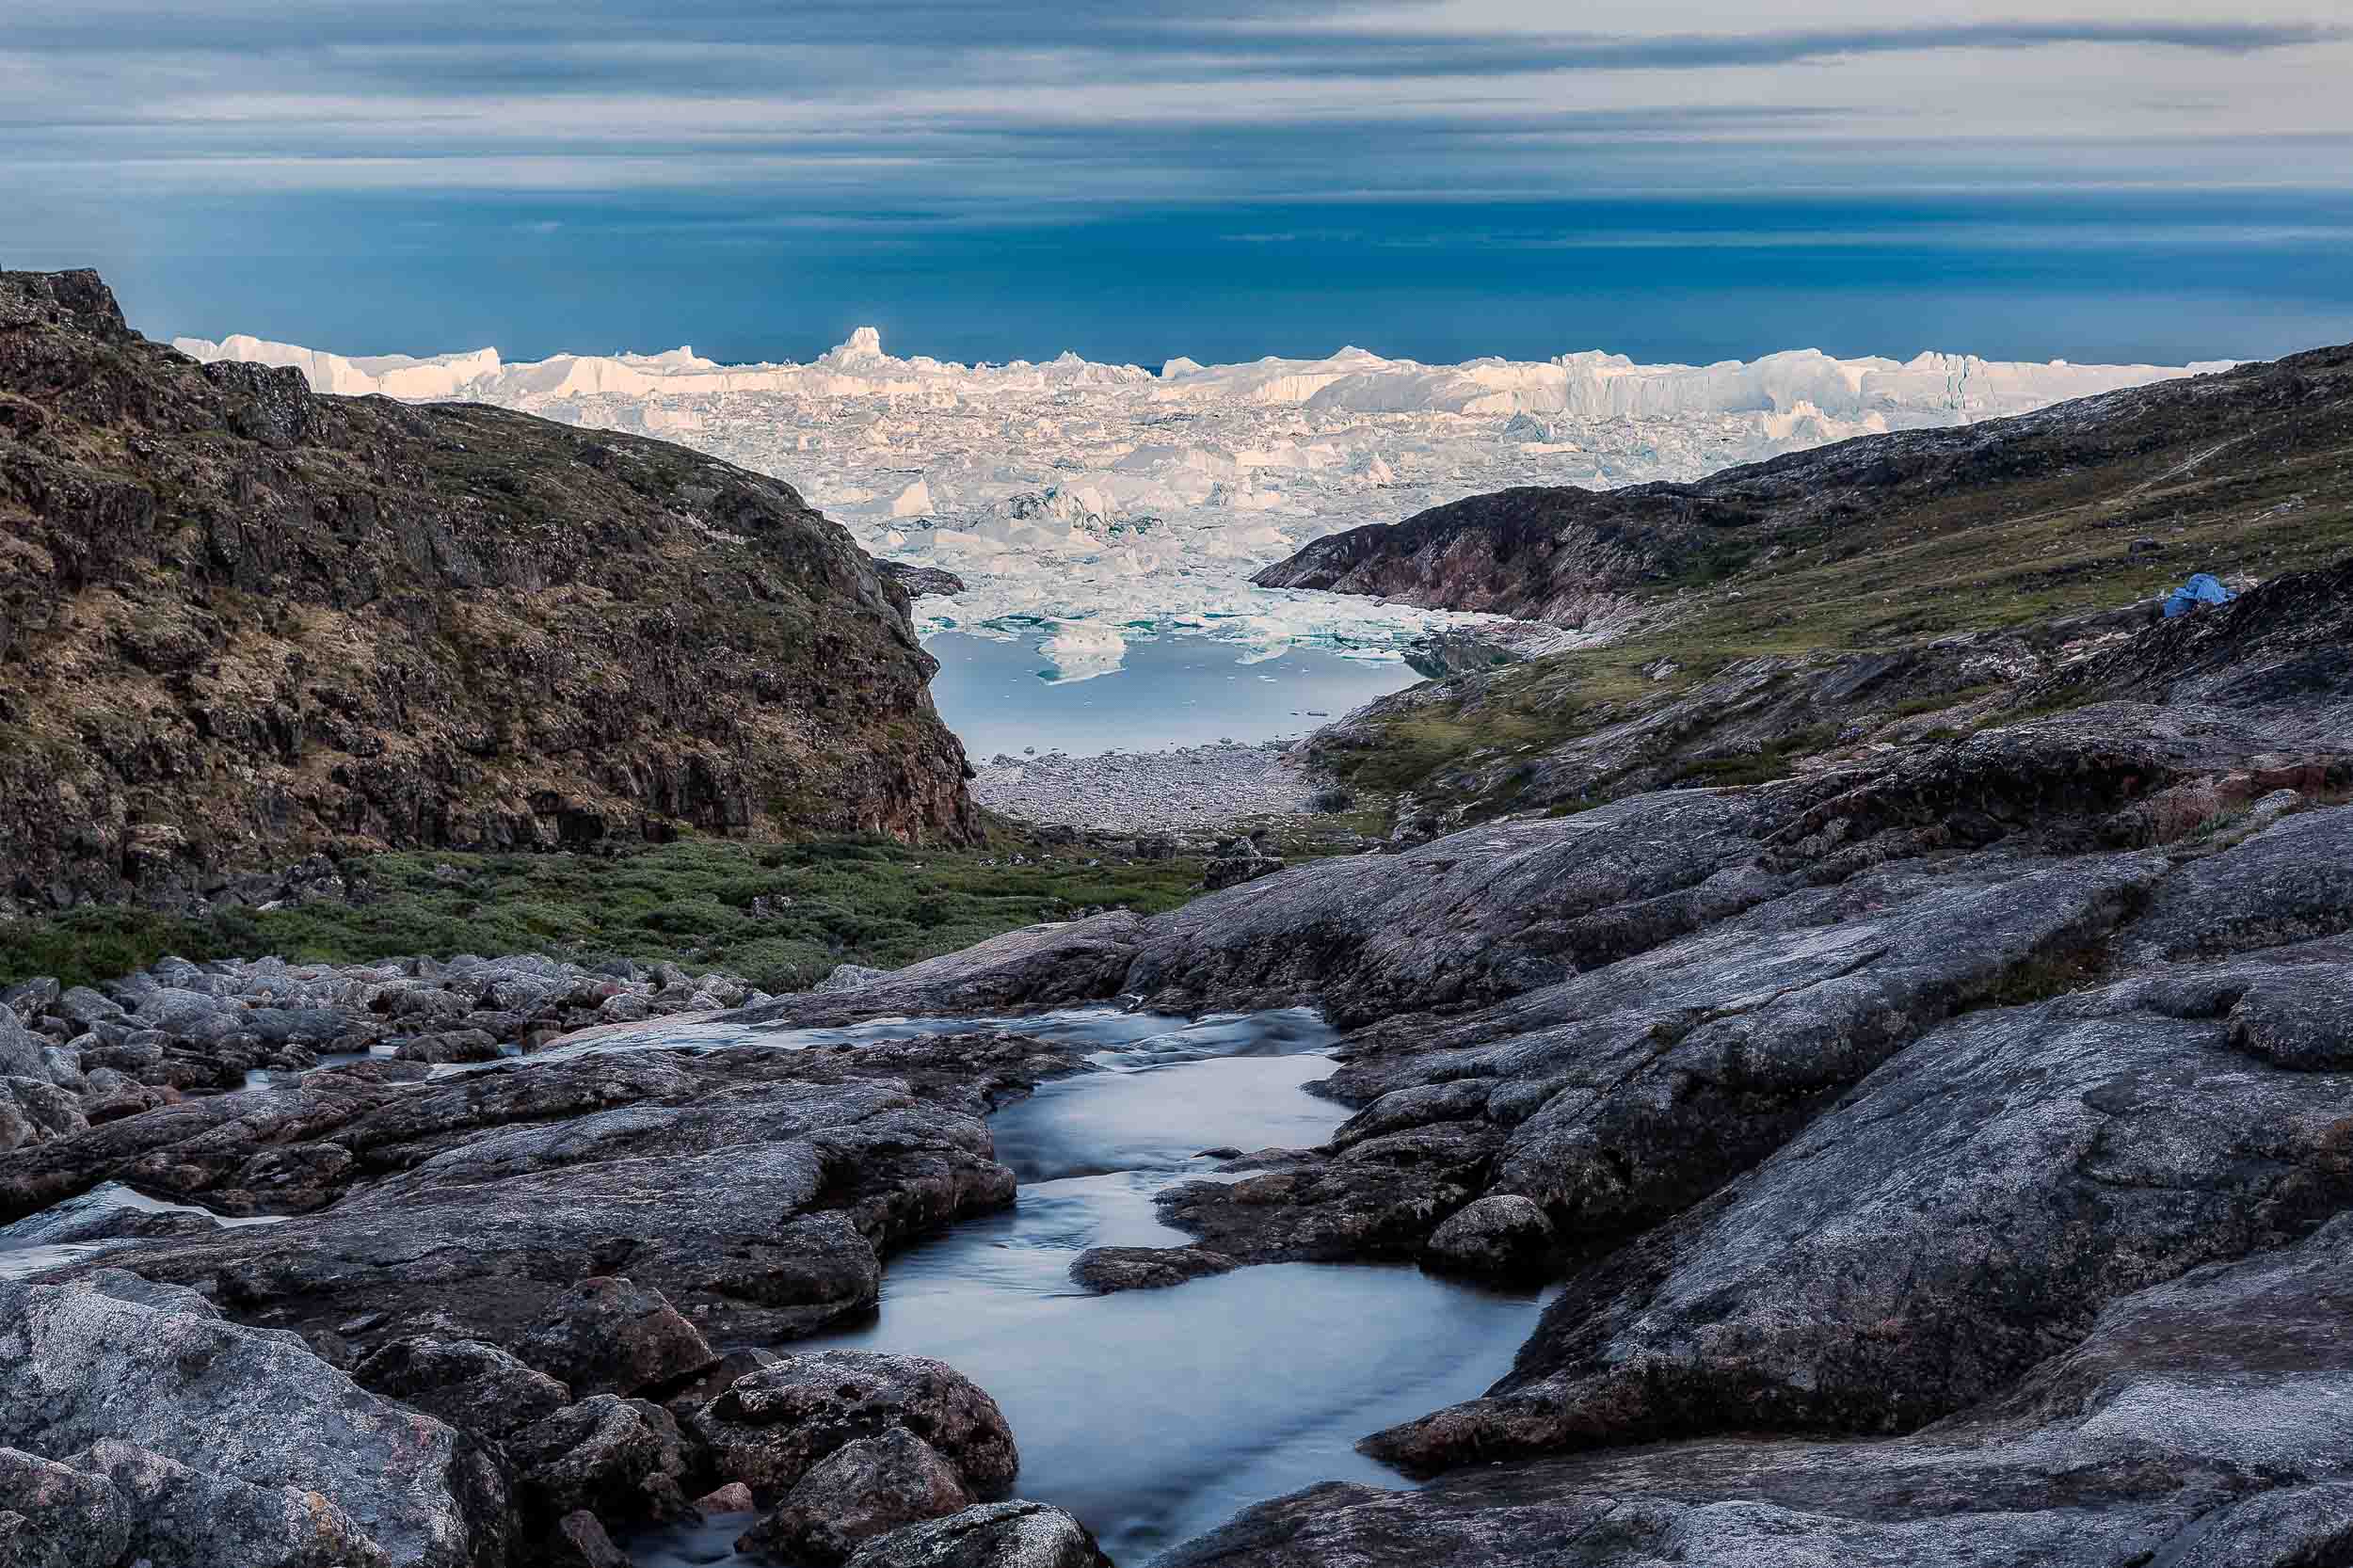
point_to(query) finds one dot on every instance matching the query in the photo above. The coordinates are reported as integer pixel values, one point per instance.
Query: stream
(1157, 1415)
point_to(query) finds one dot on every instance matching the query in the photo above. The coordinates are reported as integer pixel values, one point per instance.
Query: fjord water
(1001, 696)
(1157, 1415)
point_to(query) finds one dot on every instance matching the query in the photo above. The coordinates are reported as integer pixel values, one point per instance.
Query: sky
(2094, 179)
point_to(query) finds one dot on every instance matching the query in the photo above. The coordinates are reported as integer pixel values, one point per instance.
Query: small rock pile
(442, 1450)
(1196, 787)
(71, 1057)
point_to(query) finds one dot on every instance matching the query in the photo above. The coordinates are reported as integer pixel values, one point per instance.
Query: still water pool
(1002, 696)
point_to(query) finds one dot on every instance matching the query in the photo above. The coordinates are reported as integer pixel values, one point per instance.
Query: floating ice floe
(1085, 504)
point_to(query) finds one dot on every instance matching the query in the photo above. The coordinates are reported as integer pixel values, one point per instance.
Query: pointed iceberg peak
(864, 346)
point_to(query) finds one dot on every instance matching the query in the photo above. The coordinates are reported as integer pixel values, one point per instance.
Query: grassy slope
(1974, 560)
(864, 902)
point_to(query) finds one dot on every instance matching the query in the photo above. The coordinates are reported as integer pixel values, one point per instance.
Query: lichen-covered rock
(54, 1515)
(862, 1489)
(771, 1427)
(1502, 1234)
(988, 1535)
(114, 1359)
(612, 1335)
(179, 1513)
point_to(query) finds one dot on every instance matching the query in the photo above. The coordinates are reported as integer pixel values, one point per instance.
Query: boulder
(613, 1337)
(114, 1358)
(54, 1515)
(181, 1514)
(1502, 1235)
(862, 1489)
(620, 1459)
(477, 1388)
(771, 1427)
(988, 1535)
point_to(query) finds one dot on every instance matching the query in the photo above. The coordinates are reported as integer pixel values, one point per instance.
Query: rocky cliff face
(240, 622)
(2160, 458)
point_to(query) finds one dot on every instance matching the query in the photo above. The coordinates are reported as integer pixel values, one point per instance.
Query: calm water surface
(1002, 696)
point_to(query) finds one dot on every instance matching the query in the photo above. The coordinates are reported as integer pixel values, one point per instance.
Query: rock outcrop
(240, 622)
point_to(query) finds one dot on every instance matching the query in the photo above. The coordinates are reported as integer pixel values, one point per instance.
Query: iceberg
(1084, 503)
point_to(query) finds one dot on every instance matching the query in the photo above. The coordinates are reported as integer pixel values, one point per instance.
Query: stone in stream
(1105, 1269)
(861, 1490)
(772, 1427)
(988, 1535)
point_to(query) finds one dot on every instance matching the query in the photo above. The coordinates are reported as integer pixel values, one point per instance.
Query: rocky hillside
(2127, 488)
(1800, 614)
(240, 623)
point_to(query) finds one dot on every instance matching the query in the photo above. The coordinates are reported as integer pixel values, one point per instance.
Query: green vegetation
(870, 902)
(2010, 549)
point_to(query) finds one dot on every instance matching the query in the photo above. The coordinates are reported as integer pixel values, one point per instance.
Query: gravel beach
(1196, 787)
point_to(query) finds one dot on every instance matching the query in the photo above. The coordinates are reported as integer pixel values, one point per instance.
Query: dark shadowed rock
(580, 1542)
(54, 1515)
(1502, 1234)
(613, 1337)
(477, 1388)
(772, 1426)
(861, 1490)
(620, 1459)
(1105, 1269)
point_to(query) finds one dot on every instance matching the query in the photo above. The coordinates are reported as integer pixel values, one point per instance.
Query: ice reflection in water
(68, 1232)
(1157, 1415)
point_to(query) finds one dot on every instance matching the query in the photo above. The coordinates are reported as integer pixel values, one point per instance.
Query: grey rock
(620, 1459)
(478, 1388)
(1502, 1234)
(988, 1535)
(2092, 1142)
(2301, 1021)
(848, 977)
(626, 1008)
(771, 1427)
(182, 1515)
(456, 1045)
(862, 1489)
(82, 1365)
(53, 1515)
(82, 1007)
(1105, 1269)
(615, 1336)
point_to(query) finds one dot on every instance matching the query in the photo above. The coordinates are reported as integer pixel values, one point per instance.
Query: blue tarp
(2201, 589)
